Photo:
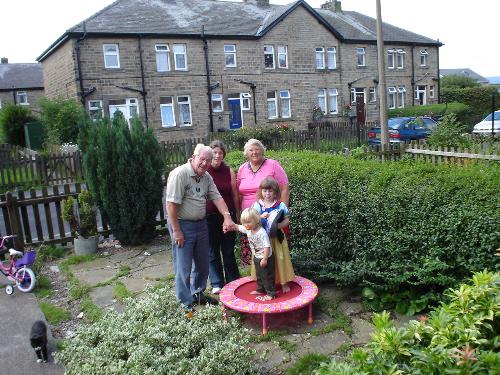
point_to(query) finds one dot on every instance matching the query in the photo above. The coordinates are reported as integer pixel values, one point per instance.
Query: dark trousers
(265, 276)
(225, 270)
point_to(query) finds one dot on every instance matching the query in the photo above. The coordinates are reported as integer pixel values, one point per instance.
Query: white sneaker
(216, 290)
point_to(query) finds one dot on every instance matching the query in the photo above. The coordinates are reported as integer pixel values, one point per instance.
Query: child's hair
(269, 183)
(251, 216)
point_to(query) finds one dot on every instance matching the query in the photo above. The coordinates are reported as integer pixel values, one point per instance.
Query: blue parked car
(404, 129)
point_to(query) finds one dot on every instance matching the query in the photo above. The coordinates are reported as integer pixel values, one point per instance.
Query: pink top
(248, 182)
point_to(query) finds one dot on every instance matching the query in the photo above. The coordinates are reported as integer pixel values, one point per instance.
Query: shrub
(12, 120)
(450, 133)
(83, 223)
(391, 226)
(459, 337)
(123, 168)
(154, 335)
(462, 111)
(61, 118)
(269, 136)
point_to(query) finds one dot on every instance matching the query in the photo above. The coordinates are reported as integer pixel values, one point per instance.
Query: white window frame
(357, 91)
(230, 52)
(0, 103)
(95, 109)
(22, 98)
(391, 59)
(421, 89)
(361, 53)
(285, 103)
(283, 51)
(110, 54)
(431, 91)
(423, 57)
(269, 51)
(129, 103)
(332, 100)
(162, 51)
(400, 58)
(167, 105)
(401, 96)
(372, 94)
(217, 98)
(270, 100)
(320, 58)
(391, 97)
(182, 53)
(321, 100)
(245, 101)
(331, 58)
(183, 103)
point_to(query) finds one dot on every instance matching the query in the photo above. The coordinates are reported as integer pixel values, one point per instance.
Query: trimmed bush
(460, 337)
(12, 120)
(154, 336)
(462, 111)
(61, 118)
(123, 168)
(391, 226)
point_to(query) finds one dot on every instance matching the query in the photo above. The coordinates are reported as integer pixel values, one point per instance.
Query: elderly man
(189, 186)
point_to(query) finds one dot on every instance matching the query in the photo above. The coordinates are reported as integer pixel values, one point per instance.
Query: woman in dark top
(226, 271)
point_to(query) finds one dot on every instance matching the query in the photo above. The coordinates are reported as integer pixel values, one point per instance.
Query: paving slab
(19, 311)
(327, 343)
(362, 331)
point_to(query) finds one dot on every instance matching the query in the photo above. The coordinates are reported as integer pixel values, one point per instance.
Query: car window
(497, 117)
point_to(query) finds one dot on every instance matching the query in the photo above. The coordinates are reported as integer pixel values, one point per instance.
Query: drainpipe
(143, 92)
(14, 96)
(438, 78)
(207, 67)
(79, 64)
(413, 75)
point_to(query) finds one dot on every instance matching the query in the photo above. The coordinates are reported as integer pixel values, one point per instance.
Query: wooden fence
(35, 216)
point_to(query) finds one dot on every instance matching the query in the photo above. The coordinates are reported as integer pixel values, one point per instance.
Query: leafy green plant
(407, 302)
(123, 171)
(12, 120)
(154, 335)
(61, 118)
(83, 223)
(92, 312)
(450, 133)
(459, 337)
(120, 292)
(307, 364)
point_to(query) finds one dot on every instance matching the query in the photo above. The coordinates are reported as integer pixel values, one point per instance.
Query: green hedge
(462, 111)
(390, 225)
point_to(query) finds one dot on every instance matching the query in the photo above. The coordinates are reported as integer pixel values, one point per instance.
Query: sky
(468, 29)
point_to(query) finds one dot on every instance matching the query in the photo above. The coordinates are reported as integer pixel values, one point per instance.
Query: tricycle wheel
(9, 289)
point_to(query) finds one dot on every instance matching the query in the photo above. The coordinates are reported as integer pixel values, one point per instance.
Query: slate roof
(224, 19)
(463, 72)
(21, 76)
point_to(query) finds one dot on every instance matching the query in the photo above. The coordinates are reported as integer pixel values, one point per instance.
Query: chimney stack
(4, 60)
(259, 3)
(332, 5)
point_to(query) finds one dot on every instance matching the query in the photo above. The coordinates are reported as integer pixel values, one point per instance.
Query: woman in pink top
(250, 174)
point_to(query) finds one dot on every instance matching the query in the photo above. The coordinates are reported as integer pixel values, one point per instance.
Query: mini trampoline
(236, 296)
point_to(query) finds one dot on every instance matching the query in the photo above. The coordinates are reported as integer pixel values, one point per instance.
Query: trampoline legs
(224, 313)
(310, 317)
(264, 325)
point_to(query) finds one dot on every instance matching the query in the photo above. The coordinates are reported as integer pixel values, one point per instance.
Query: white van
(484, 127)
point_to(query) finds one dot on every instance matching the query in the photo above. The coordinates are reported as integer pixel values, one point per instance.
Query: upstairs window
(400, 58)
(111, 56)
(331, 57)
(230, 55)
(162, 59)
(423, 57)
(361, 53)
(391, 59)
(269, 57)
(217, 105)
(95, 109)
(22, 98)
(167, 111)
(320, 58)
(283, 57)
(184, 103)
(180, 57)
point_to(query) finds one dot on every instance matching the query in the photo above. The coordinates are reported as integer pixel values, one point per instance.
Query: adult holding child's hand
(250, 175)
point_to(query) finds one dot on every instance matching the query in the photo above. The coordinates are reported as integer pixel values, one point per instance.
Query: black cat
(38, 340)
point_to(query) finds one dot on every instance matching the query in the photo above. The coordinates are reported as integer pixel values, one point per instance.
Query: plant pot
(85, 246)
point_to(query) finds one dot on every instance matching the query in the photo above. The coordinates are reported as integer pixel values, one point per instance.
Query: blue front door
(235, 115)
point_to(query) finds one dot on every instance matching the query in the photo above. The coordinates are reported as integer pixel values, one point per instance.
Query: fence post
(15, 221)
(317, 137)
(77, 160)
(188, 148)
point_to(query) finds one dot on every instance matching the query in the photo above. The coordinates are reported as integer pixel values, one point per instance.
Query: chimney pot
(332, 5)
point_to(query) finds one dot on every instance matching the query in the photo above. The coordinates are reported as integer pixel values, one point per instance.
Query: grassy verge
(54, 314)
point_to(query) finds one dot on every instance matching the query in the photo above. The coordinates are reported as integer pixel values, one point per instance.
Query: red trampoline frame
(231, 298)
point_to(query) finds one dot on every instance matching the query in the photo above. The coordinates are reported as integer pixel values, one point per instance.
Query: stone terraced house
(188, 67)
(20, 84)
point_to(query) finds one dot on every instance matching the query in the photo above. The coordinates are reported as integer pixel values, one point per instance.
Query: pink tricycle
(16, 269)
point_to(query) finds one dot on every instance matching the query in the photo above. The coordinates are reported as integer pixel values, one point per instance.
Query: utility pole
(382, 92)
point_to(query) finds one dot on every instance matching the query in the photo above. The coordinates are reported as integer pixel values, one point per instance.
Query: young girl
(274, 215)
(263, 257)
